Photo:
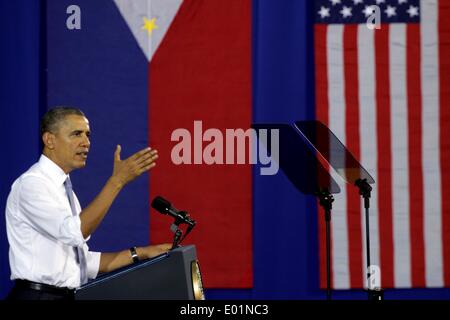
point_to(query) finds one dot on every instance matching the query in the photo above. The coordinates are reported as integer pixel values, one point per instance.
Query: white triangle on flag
(160, 12)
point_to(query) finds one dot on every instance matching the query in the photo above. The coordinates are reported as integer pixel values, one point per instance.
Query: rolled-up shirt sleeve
(43, 212)
(93, 263)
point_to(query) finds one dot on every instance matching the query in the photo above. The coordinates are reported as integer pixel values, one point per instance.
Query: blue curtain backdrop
(20, 103)
(285, 247)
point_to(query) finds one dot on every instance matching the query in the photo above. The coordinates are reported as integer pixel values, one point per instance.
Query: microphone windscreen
(161, 204)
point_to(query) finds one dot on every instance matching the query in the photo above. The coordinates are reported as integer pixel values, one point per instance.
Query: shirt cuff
(70, 232)
(93, 264)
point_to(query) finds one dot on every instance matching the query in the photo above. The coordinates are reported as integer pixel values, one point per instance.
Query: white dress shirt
(42, 232)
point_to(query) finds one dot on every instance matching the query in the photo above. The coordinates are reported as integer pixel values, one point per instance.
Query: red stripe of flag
(320, 56)
(444, 118)
(416, 204)
(352, 141)
(202, 71)
(384, 154)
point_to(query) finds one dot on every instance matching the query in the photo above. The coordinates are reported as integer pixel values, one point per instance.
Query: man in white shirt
(46, 227)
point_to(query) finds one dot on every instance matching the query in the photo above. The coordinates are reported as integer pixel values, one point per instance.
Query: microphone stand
(326, 199)
(177, 239)
(177, 233)
(364, 191)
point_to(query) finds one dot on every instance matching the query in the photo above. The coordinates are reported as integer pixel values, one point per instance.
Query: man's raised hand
(132, 167)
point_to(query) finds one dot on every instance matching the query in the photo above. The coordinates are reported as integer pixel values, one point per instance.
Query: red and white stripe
(336, 94)
(368, 130)
(430, 142)
(386, 94)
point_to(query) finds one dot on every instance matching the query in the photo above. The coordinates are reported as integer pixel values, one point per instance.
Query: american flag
(386, 94)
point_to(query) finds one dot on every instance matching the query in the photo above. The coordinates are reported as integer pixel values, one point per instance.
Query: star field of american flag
(358, 11)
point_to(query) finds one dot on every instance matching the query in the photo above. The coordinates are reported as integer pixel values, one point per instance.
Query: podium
(174, 275)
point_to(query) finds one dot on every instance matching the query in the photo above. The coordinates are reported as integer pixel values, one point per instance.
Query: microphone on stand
(165, 207)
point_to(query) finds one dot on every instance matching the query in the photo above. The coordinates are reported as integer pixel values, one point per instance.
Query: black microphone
(165, 207)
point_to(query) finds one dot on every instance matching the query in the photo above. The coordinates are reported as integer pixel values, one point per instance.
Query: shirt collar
(53, 171)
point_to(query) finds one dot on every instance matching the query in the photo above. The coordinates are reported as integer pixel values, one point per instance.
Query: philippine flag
(140, 70)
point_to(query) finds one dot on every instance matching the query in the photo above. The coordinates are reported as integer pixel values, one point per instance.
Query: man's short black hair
(52, 118)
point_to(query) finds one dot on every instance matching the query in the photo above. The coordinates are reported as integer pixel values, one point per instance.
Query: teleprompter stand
(326, 200)
(302, 168)
(339, 157)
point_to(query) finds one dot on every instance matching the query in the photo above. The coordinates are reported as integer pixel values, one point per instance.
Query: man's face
(70, 144)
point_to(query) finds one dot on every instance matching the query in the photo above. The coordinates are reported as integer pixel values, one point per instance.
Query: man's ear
(48, 139)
